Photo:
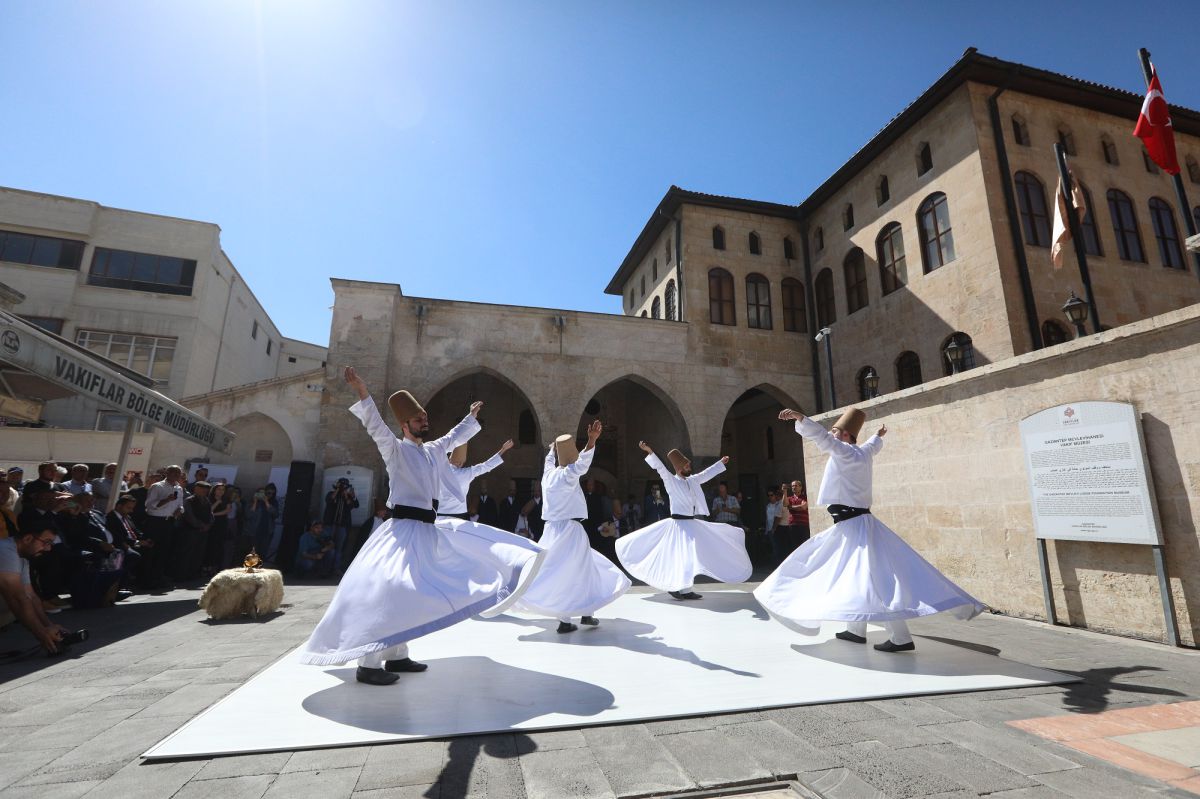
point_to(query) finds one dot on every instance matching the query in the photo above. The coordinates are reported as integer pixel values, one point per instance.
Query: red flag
(1154, 127)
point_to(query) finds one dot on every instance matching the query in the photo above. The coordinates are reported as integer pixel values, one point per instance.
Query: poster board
(1088, 475)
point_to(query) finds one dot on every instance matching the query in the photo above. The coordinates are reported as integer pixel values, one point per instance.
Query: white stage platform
(651, 658)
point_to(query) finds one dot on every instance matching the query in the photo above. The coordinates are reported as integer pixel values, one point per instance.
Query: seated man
(127, 538)
(315, 555)
(16, 591)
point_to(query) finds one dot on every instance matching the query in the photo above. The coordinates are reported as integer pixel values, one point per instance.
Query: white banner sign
(1088, 479)
(49, 358)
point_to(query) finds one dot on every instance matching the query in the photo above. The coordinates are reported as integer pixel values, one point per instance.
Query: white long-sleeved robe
(671, 552)
(858, 570)
(575, 580)
(410, 579)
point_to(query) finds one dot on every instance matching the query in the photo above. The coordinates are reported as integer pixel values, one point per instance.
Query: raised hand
(644, 447)
(882, 431)
(594, 430)
(356, 383)
(506, 446)
(788, 415)
(724, 459)
(475, 408)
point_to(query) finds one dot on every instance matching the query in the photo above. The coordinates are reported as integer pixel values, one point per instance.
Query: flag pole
(1064, 177)
(1189, 221)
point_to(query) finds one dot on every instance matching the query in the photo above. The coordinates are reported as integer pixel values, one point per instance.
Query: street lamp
(954, 354)
(823, 335)
(1077, 313)
(871, 383)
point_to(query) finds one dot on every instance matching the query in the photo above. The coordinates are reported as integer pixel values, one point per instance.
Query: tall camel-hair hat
(565, 449)
(678, 460)
(404, 406)
(459, 456)
(851, 421)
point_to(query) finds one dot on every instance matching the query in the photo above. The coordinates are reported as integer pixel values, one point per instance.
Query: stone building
(937, 230)
(156, 294)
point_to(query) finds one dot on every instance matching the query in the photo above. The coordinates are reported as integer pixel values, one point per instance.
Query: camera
(76, 637)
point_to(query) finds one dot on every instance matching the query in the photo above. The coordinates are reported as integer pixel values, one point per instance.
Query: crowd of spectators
(61, 545)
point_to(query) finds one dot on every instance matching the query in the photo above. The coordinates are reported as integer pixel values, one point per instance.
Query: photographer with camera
(338, 506)
(16, 589)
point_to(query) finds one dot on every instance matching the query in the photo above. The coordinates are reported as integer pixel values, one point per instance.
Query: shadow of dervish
(454, 781)
(724, 600)
(458, 696)
(619, 633)
(958, 659)
(1091, 694)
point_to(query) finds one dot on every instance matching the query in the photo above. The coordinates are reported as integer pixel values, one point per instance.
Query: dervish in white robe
(857, 571)
(575, 580)
(410, 579)
(491, 543)
(671, 552)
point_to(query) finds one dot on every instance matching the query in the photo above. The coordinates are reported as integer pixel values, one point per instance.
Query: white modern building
(153, 293)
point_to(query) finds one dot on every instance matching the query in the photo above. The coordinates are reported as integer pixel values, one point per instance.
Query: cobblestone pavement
(75, 727)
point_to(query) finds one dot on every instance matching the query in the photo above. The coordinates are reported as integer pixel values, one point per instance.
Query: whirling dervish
(411, 579)
(857, 571)
(670, 553)
(575, 580)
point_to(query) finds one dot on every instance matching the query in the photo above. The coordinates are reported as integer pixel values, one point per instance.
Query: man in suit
(489, 514)
(509, 509)
(126, 536)
(533, 513)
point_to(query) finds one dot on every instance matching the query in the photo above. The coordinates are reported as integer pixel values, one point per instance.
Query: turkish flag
(1154, 128)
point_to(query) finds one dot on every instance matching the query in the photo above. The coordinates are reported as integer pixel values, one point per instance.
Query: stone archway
(632, 409)
(261, 444)
(507, 413)
(763, 451)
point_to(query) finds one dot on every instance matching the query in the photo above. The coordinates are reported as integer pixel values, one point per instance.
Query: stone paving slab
(70, 731)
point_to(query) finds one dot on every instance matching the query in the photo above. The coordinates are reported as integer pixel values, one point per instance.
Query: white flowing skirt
(670, 553)
(411, 578)
(859, 570)
(575, 580)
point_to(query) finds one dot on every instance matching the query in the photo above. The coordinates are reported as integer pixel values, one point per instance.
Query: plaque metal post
(1047, 593)
(1168, 601)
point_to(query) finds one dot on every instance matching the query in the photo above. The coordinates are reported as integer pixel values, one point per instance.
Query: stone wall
(557, 366)
(951, 477)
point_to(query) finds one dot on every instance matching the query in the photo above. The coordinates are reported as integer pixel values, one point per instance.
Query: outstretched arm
(368, 414)
(580, 467)
(875, 443)
(461, 433)
(824, 440)
(712, 471)
(480, 469)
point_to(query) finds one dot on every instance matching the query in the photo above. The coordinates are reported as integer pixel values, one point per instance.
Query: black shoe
(677, 595)
(407, 664)
(846, 635)
(888, 646)
(590, 621)
(692, 595)
(123, 593)
(375, 676)
(566, 627)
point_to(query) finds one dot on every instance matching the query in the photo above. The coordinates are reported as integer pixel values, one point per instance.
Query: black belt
(466, 517)
(681, 516)
(842, 513)
(427, 515)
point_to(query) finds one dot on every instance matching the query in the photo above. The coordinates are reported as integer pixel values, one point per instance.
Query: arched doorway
(261, 444)
(507, 413)
(763, 451)
(632, 410)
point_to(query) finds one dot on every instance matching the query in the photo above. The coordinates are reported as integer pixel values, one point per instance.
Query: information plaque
(1088, 479)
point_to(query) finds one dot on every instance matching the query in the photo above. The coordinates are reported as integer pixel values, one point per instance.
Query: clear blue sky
(495, 151)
